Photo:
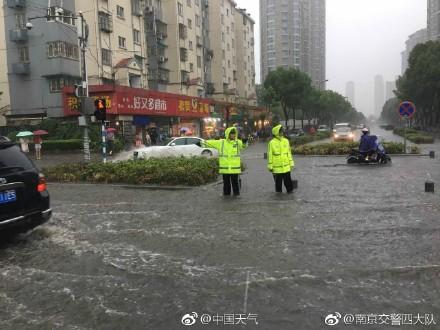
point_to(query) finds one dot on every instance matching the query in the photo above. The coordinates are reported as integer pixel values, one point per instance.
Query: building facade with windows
(117, 50)
(41, 60)
(198, 48)
(292, 34)
(433, 30)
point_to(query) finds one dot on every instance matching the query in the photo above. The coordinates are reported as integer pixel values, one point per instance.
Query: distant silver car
(323, 128)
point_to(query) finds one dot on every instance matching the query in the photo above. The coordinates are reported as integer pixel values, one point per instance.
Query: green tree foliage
(390, 113)
(288, 88)
(291, 91)
(421, 84)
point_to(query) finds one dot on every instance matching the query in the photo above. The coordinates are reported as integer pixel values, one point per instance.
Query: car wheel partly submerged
(207, 153)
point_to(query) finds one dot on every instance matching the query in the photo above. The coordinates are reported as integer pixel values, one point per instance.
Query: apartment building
(414, 39)
(245, 57)
(293, 35)
(117, 49)
(42, 60)
(183, 55)
(433, 20)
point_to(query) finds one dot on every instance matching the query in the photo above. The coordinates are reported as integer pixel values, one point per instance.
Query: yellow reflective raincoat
(229, 152)
(279, 153)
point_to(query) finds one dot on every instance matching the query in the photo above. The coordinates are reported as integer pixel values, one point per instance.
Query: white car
(178, 142)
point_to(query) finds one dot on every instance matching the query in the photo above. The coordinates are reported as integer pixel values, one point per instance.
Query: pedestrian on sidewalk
(38, 141)
(229, 150)
(24, 143)
(279, 160)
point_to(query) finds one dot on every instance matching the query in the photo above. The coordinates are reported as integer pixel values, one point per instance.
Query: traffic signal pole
(85, 87)
(104, 142)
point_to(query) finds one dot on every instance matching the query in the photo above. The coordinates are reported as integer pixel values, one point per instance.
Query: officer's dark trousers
(279, 178)
(228, 180)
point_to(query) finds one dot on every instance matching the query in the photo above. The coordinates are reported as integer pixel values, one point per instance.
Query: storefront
(136, 112)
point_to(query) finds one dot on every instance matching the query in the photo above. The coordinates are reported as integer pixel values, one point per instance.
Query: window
(229, 63)
(198, 20)
(222, 19)
(180, 9)
(106, 56)
(53, 14)
(199, 61)
(227, 29)
(68, 17)
(188, 3)
(227, 47)
(62, 49)
(190, 23)
(191, 67)
(56, 84)
(223, 54)
(120, 11)
(23, 54)
(105, 22)
(137, 36)
(197, 2)
(183, 54)
(223, 36)
(233, 43)
(183, 32)
(227, 12)
(199, 41)
(20, 20)
(190, 46)
(122, 42)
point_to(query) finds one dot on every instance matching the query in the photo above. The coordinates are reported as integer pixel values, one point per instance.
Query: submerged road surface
(352, 240)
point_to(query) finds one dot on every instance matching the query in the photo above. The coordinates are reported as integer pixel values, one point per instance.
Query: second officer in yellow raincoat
(280, 160)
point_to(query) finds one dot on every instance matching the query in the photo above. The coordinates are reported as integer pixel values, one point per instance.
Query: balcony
(105, 22)
(16, 3)
(21, 68)
(19, 35)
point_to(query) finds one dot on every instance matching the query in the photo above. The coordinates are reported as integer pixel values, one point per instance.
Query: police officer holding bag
(279, 160)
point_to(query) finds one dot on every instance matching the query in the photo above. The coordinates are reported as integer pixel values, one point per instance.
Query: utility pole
(83, 37)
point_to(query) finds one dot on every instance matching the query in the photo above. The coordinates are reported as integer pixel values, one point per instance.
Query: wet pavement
(351, 239)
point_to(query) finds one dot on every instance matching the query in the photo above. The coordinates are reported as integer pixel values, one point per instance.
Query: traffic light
(100, 109)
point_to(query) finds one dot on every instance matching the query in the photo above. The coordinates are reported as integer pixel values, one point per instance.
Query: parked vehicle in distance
(323, 128)
(294, 132)
(24, 199)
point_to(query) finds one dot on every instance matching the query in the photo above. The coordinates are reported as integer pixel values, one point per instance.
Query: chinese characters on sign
(149, 103)
(186, 106)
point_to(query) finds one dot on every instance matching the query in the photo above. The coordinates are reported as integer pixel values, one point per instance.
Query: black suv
(24, 200)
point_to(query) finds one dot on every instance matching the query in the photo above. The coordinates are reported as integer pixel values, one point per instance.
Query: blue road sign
(407, 109)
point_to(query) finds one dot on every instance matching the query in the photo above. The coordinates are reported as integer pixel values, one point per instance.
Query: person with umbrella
(23, 138)
(38, 141)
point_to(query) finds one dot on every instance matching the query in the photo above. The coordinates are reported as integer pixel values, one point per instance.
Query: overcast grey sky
(364, 38)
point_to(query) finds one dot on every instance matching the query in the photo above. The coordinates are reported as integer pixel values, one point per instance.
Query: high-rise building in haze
(379, 97)
(414, 39)
(293, 35)
(349, 92)
(390, 86)
(434, 19)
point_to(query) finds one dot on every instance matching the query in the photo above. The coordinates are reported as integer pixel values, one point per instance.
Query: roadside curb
(127, 186)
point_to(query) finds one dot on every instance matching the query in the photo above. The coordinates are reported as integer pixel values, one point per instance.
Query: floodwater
(350, 240)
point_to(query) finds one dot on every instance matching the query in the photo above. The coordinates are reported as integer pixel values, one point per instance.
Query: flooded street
(351, 239)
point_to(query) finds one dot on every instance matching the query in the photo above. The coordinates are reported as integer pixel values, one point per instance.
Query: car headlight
(336, 135)
(351, 135)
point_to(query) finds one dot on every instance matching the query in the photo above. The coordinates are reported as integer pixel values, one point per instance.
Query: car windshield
(343, 129)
